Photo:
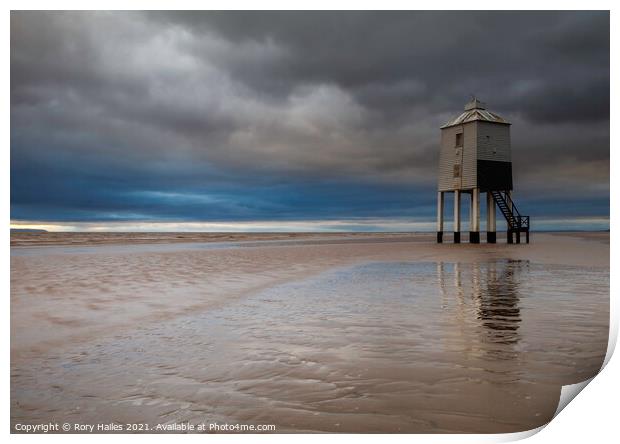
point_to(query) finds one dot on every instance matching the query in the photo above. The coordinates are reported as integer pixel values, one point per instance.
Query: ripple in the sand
(378, 347)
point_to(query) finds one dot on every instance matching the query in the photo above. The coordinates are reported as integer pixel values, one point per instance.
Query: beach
(335, 332)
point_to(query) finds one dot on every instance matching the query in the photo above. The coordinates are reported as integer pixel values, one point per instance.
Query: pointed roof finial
(474, 104)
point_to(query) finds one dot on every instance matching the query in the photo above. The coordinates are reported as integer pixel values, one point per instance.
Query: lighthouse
(475, 158)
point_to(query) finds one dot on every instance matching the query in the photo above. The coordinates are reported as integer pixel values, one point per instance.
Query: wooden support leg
(457, 216)
(474, 217)
(491, 226)
(439, 217)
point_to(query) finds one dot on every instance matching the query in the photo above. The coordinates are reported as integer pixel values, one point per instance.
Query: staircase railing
(515, 220)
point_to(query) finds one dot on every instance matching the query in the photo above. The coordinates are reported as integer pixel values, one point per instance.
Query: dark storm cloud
(266, 115)
(422, 56)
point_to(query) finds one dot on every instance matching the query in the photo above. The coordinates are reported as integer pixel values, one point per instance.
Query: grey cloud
(282, 96)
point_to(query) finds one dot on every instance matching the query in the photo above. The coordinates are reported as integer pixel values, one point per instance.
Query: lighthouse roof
(476, 110)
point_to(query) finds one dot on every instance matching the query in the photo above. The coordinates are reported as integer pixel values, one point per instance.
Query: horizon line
(384, 225)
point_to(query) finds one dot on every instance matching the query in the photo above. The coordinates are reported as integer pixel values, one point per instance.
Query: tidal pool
(376, 347)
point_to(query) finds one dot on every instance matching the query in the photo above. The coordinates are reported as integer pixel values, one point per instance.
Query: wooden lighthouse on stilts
(475, 158)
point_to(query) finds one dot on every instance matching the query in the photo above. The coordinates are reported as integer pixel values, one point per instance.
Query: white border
(591, 418)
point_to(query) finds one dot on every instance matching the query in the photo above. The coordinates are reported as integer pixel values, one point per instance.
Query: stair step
(513, 217)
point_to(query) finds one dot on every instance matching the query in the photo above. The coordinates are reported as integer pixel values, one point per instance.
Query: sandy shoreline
(45, 285)
(22, 239)
(67, 298)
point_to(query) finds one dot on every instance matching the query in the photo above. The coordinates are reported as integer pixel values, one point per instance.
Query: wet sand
(366, 333)
(105, 238)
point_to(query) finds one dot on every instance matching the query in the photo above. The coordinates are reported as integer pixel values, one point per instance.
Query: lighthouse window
(457, 170)
(459, 139)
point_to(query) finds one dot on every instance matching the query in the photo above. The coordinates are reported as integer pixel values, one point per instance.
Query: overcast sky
(128, 118)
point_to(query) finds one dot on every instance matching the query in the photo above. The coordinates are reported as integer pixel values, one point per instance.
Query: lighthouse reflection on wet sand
(475, 158)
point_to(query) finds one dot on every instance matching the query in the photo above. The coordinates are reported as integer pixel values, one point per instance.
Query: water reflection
(375, 347)
(481, 301)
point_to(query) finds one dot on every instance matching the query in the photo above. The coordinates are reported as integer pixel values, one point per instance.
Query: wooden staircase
(517, 223)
